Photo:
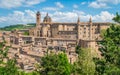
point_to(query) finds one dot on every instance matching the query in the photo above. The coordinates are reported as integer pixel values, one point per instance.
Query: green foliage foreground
(110, 49)
(54, 64)
(85, 64)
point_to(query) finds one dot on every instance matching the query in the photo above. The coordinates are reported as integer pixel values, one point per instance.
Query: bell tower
(90, 30)
(38, 26)
(78, 27)
(38, 17)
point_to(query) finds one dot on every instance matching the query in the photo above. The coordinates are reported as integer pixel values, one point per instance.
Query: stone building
(63, 34)
(57, 37)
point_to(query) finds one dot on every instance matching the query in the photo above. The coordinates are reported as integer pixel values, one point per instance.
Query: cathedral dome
(47, 19)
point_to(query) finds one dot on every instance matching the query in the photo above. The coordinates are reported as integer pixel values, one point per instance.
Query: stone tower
(38, 26)
(78, 27)
(90, 30)
(38, 17)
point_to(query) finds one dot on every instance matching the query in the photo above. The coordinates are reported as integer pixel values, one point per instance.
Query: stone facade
(55, 37)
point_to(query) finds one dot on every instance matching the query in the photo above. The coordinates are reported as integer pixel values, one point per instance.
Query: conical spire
(78, 21)
(90, 20)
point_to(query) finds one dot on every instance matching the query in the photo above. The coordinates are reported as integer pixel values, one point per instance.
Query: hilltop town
(29, 45)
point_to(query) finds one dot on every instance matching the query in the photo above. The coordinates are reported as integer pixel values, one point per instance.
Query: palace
(54, 37)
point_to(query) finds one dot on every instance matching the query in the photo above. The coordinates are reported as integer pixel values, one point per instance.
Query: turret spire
(90, 20)
(78, 21)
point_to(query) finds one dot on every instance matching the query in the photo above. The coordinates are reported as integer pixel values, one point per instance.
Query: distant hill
(18, 26)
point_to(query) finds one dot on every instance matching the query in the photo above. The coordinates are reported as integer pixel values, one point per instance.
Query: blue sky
(23, 11)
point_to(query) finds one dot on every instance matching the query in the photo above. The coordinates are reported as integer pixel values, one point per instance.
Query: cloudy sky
(23, 11)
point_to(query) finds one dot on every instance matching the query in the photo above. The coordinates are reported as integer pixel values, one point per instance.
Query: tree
(7, 67)
(26, 33)
(54, 64)
(117, 18)
(85, 64)
(110, 49)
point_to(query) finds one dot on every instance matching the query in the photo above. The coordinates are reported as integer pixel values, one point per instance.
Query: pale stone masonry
(55, 37)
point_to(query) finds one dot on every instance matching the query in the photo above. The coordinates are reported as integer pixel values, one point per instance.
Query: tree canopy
(110, 49)
(55, 64)
(117, 18)
(85, 64)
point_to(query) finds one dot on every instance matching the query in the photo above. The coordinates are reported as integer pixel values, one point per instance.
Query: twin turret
(79, 28)
(78, 21)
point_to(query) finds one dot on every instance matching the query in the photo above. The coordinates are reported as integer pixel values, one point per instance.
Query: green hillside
(18, 26)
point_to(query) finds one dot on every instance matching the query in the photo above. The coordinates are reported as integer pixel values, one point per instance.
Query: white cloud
(28, 16)
(57, 7)
(103, 3)
(79, 12)
(18, 3)
(10, 3)
(60, 5)
(2, 19)
(18, 17)
(83, 3)
(50, 8)
(104, 16)
(97, 5)
(64, 16)
(75, 6)
(110, 1)
(33, 2)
